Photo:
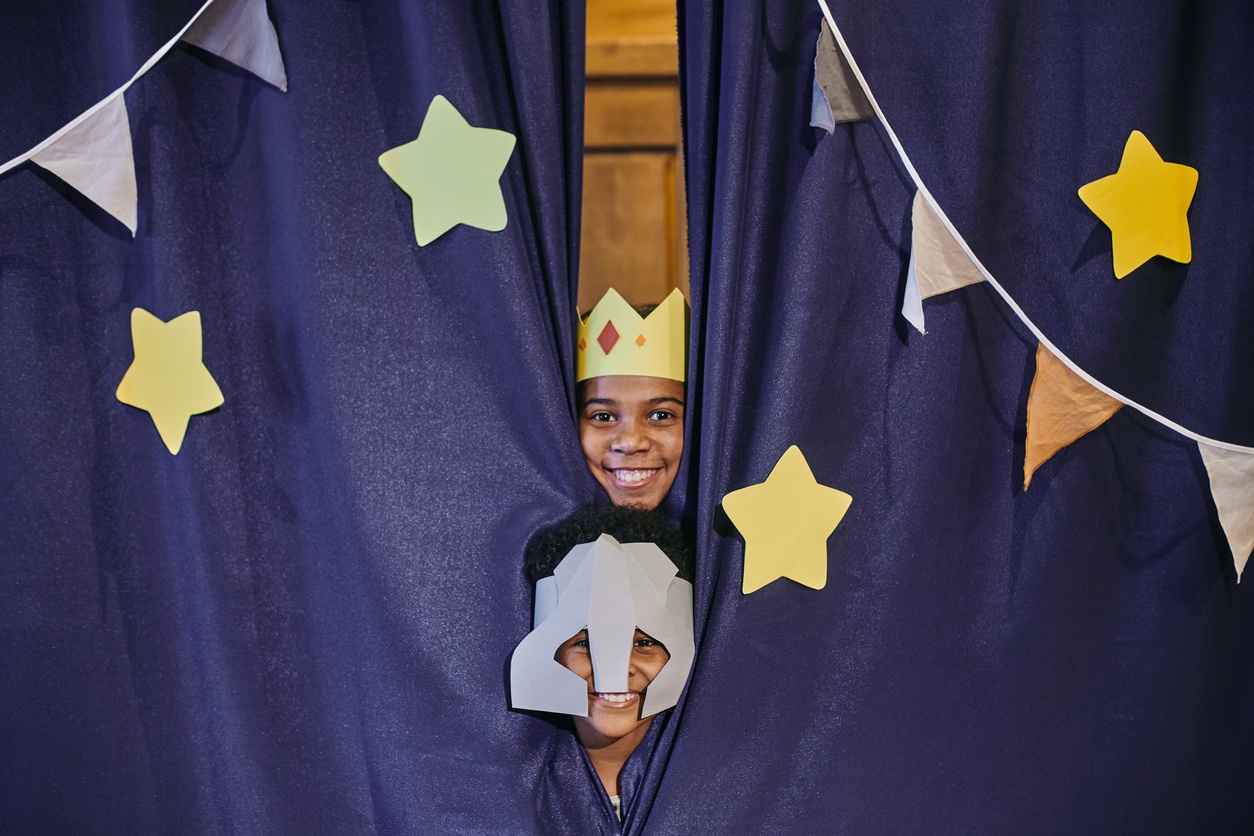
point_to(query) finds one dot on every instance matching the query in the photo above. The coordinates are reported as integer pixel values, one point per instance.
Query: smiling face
(614, 717)
(632, 432)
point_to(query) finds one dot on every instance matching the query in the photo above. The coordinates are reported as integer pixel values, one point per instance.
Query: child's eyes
(644, 643)
(601, 416)
(662, 415)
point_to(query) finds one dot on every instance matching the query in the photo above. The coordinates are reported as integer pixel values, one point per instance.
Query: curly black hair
(626, 525)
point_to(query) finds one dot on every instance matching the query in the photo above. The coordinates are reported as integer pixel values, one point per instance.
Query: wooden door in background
(634, 226)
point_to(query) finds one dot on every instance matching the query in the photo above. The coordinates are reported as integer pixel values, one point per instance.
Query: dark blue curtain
(300, 623)
(1071, 659)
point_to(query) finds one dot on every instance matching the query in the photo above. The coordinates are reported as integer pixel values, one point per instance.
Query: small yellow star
(786, 521)
(1146, 206)
(168, 378)
(451, 172)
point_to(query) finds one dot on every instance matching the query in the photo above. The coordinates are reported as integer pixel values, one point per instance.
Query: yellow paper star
(786, 521)
(1146, 206)
(452, 173)
(168, 378)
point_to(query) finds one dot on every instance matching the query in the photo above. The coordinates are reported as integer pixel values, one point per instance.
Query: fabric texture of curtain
(1075, 658)
(298, 624)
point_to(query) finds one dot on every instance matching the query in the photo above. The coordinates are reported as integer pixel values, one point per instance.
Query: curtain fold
(1073, 658)
(298, 624)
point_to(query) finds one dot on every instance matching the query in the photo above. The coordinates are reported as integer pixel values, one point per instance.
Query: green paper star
(452, 172)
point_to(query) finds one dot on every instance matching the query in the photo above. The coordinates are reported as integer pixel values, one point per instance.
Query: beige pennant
(1061, 407)
(240, 31)
(95, 158)
(844, 94)
(940, 263)
(1231, 475)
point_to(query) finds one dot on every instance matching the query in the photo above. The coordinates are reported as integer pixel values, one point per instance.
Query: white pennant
(94, 156)
(937, 263)
(240, 31)
(912, 302)
(1231, 475)
(821, 115)
(942, 264)
(843, 97)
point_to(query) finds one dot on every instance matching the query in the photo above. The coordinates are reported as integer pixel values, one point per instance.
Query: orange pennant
(1061, 407)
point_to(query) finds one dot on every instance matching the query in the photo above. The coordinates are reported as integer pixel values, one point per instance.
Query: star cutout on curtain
(786, 521)
(1145, 204)
(168, 378)
(451, 172)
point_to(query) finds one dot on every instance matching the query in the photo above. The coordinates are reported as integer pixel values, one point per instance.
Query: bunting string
(87, 114)
(988, 277)
(93, 152)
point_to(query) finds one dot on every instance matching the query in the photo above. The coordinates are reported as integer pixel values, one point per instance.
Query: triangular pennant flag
(820, 109)
(941, 265)
(1062, 406)
(94, 156)
(912, 302)
(241, 32)
(845, 98)
(1231, 475)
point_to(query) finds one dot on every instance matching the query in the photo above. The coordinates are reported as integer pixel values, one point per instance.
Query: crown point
(660, 336)
(609, 337)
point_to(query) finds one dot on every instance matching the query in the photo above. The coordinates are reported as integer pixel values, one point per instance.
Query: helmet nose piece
(611, 619)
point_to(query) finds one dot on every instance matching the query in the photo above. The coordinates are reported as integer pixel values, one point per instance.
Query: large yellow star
(1145, 204)
(786, 521)
(451, 172)
(168, 378)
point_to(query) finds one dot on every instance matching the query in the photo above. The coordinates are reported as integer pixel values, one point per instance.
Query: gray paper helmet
(611, 589)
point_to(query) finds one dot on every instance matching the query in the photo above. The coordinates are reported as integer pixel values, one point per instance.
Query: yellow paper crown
(615, 339)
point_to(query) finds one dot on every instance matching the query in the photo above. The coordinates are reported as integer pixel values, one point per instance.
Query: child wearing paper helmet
(630, 371)
(612, 643)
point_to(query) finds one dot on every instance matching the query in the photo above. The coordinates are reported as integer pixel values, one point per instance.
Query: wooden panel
(632, 38)
(629, 227)
(610, 19)
(639, 114)
(633, 57)
(634, 231)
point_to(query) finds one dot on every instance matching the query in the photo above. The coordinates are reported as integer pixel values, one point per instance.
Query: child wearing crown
(630, 370)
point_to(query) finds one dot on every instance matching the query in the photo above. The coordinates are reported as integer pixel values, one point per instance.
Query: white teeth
(634, 475)
(626, 697)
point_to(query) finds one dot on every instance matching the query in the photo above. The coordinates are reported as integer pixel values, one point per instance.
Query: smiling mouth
(617, 699)
(631, 477)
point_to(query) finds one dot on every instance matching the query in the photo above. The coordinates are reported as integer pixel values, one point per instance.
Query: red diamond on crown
(609, 337)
